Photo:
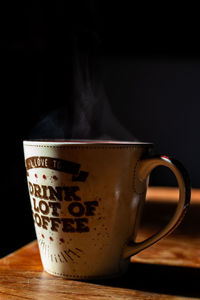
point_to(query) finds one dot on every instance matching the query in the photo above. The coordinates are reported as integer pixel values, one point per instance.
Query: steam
(87, 115)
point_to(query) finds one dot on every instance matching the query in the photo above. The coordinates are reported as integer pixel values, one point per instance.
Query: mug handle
(144, 169)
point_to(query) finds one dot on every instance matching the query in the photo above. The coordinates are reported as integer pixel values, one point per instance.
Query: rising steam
(87, 116)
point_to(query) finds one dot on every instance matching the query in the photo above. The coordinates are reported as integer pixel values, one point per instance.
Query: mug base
(86, 277)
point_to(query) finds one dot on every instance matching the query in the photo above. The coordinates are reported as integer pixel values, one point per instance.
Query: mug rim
(85, 142)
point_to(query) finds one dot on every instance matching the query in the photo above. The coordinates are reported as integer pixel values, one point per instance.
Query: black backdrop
(149, 67)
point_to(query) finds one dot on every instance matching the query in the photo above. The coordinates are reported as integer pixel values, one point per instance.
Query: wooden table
(169, 269)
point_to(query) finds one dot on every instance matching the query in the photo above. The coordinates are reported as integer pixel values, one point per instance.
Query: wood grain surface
(182, 248)
(168, 270)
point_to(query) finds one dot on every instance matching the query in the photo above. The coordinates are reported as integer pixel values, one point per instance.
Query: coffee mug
(87, 199)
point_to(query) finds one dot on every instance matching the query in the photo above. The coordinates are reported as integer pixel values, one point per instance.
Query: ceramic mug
(87, 199)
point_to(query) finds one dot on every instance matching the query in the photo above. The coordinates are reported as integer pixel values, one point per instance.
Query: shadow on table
(160, 279)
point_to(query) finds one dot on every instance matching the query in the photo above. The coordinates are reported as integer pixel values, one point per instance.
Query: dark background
(147, 59)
